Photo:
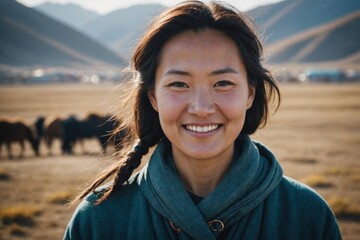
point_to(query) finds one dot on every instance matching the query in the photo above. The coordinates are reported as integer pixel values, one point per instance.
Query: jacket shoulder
(303, 207)
(88, 220)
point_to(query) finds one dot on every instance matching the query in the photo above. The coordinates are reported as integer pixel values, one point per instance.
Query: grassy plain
(315, 134)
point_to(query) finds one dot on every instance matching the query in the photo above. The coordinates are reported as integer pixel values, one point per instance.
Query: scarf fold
(253, 175)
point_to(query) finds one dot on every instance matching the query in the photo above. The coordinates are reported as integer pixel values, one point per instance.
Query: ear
(152, 99)
(251, 97)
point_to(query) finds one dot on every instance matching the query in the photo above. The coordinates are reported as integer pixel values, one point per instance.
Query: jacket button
(216, 225)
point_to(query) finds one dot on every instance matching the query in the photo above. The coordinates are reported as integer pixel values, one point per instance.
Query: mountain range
(283, 19)
(30, 38)
(311, 31)
(70, 14)
(287, 28)
(294, 31)
(337, 40)
(117, 30)
(121, 28)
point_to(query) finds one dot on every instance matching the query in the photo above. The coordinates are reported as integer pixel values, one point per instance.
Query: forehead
(203, 34)
(200, 40)
(206, 50)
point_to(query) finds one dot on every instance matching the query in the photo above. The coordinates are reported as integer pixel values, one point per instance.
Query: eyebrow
(177, 72)
(223, 71)
(216, 72)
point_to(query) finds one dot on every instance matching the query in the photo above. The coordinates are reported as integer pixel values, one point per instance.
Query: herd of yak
(68, 130)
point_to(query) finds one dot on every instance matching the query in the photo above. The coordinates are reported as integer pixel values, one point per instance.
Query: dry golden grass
(31, 101)
(342, 207)
(62, 197)
(316, 180)
(16, 230)
(20, 214)
(315, 132)
(4, 175)
(344, 171)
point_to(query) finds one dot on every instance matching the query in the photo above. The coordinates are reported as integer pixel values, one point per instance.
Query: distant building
(322, 75)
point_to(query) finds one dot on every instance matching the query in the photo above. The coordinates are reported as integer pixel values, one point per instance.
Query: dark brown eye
(223, 83)
(179, 85)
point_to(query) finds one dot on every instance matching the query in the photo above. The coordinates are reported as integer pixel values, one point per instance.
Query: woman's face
(201, 94)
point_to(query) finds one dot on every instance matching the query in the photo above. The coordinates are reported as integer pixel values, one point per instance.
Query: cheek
(170, 106)
(232, 105)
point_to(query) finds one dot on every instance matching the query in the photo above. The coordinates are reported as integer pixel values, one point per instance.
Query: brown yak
(12, 131)
(50, 129)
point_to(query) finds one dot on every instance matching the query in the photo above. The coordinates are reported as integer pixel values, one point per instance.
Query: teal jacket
(253, 201)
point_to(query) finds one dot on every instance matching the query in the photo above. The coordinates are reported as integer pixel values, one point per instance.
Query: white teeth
(202, 129)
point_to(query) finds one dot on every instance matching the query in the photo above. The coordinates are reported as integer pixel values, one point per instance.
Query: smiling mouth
(202, 129)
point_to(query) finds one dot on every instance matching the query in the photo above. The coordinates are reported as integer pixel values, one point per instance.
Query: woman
(200, 93)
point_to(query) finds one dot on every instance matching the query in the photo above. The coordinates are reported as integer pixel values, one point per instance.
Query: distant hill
(281, 20)
(118, 30)
(121, 28)
(70, 14)
(336, 40)
(30, 38)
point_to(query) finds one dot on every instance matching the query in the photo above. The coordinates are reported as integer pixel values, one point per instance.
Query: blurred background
(62, 66)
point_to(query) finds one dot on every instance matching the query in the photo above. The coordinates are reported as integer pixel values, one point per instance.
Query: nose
(201, 103)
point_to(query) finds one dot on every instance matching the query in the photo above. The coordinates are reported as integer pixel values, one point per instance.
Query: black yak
(39, 126)
(93, 126)
(17, 131)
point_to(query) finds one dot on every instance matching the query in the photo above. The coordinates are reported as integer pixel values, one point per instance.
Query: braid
(124, 170)
(132, 162)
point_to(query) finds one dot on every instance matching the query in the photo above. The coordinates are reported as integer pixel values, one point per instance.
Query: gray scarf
(253, 175)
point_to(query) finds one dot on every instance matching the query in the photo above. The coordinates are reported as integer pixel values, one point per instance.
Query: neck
(201, 176)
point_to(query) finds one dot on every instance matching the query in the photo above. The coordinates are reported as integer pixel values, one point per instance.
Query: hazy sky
(105, 6)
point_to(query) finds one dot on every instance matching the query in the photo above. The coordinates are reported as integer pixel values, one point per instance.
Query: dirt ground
(315, 135)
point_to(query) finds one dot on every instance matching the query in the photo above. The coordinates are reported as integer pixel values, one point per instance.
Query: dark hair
(195, 16)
